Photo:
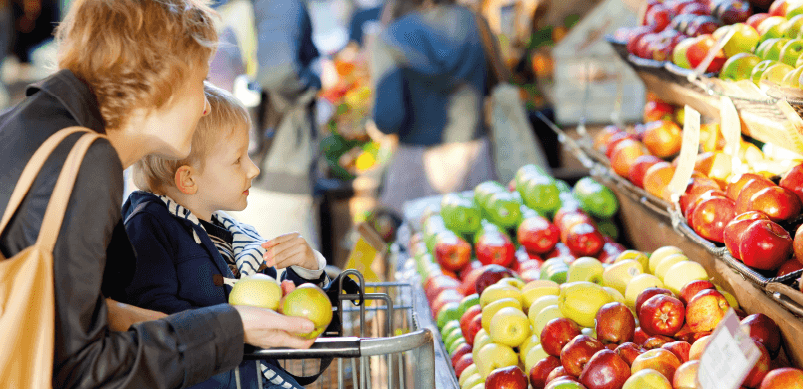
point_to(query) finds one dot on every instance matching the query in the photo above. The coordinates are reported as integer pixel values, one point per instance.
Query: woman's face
(176, 121)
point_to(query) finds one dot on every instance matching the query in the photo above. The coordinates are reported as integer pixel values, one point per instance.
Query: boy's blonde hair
(154, 173)
(135, 53)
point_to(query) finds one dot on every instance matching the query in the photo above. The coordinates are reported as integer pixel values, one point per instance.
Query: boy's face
(226, 176)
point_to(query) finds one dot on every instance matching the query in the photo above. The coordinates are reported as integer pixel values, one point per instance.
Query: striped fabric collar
(248, 252)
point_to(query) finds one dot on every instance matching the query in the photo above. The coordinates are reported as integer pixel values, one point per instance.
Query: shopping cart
(382, 343)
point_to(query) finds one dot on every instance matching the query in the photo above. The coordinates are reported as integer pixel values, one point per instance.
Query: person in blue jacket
(190, 252)
(429, 72)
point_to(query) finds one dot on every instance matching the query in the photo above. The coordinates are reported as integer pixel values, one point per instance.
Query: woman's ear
(185, 180)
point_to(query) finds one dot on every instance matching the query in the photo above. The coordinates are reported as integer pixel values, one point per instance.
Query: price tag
(731, 127)
(729, 356)
(688, 154)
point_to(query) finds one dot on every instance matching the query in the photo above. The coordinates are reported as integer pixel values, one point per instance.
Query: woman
(429, 72)
(134, 70)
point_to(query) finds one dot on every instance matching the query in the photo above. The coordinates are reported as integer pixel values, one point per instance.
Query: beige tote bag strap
(54, 215)
(32, 170)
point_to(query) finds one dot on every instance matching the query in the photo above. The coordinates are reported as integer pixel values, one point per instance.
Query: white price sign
(728, 357)
(732, 132)
(688, 154)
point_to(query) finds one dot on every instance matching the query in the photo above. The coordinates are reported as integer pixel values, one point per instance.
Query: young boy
(189, 252)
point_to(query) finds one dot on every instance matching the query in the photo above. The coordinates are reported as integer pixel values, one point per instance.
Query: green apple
(448, 328)
(773, 51)
(794, 8)
(771, 27)
(453, 337)
(311, 302)
(776, 73)
(448, 312)
(468, 302)
(791, 51)
(659, 254)
(637, 285)
(468, 372)
(539, 304)
(619, 274)
(744, 40)
(755, 76)
(762, 47)
(510, 327)
(493, 356)
(679, 52)
(794, 27)
(585, 269)
(581, 300)
(490, 310)
(738, 67)
(498, 291)
(451, 348)
(792, 79)
(258, 290)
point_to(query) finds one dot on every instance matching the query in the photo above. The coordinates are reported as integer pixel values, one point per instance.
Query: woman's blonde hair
(135, 53)
(228, 115)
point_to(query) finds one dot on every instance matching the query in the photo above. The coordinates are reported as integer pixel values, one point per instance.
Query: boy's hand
(288, 250)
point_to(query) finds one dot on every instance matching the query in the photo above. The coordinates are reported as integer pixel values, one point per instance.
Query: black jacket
(179, 351)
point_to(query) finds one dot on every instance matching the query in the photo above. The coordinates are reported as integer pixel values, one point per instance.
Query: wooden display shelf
(751, 298)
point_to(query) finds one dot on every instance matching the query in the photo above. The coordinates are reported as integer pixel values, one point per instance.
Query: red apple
(605, 370)
(756, 19)
(609, 252)
(696, 187)
(760, 369)
(661, 315)
(662, 138)
(705, 310)
(659, 17)
(657, 109)
(699, 50)
(570, 219)
(686, 375)
(566, 382)
(778, 203)
(629, 351)
(711, 216)
(778, 8)
(584, 240)
(694, 8)
(735, 188)
(451, 251)
(649, 292)
(798, 244)
(465, 361)
(510, 377)
(748, 190)
(556, 333)
(538, 235)
(789, 266)
(474, 326)
(463, 349)
(437, 284)
(783, 378)
(614, 140)
(692, 288)
(445, 297)
(615, 323)
(733, 230)
(688, 214)
(624, 156)
(469, 280)
(656, 341)
(491, 275)
(640, 167)
(578, 352)
(639, 336)
(494, 247)
(465, 323)
(765, 245)
(556, 373)
(540, 371)
(560, 250)
(764, 330)
(680, 348)
(793, 180)
(602, 138)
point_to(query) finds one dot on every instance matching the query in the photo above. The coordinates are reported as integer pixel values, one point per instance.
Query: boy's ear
(185, 181)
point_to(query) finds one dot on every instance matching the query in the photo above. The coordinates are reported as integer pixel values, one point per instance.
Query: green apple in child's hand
(257, 290)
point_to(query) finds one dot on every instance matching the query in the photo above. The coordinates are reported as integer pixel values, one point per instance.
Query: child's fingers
(272, 253)
(289, 257)
(280, 239)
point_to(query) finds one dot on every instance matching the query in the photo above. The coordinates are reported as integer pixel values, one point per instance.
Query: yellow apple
(481, 339)
(515, 282)
(258, 290)
(499, 291)
(731, 300)
(533, 290)
(682, 273)
(637, 285)
(535, 355)
(472, 381)
(539, 304)
(619, 274)
(478, 386)
(581, 300)
(510, 327)
(635, 255)
(618, 297)
(647, 379)
(543, 317)
(468, 372)
(663, 266)
(585, 269)
(490, 310)
(659, 254)
(532, 341)
(493, 356)
(311, 302)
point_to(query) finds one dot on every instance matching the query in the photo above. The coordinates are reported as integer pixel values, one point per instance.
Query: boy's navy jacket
(174, 273)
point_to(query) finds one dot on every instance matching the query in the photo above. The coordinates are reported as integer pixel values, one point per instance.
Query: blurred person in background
(289, 74)
(34, 21)
(429, 72)
(364, 19)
